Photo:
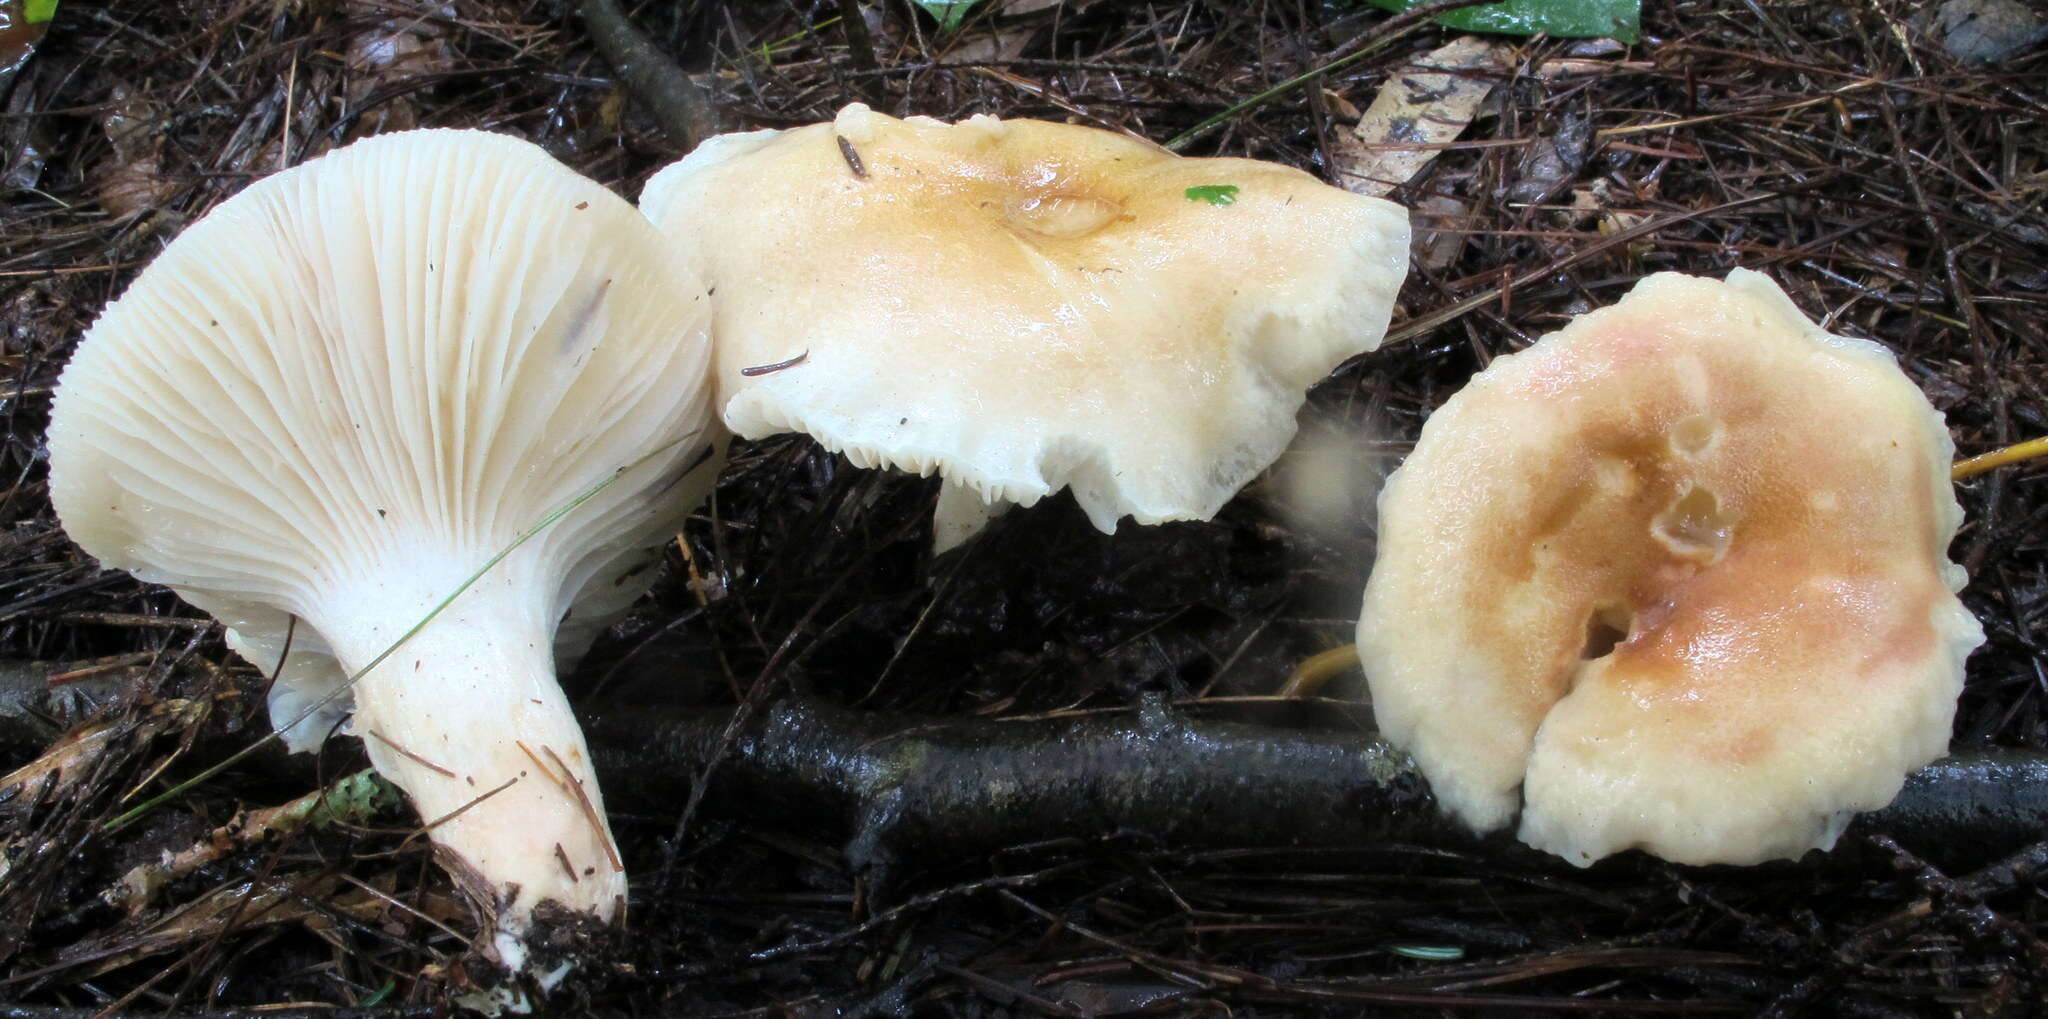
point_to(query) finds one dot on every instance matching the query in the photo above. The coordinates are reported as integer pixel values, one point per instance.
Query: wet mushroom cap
(1022, 305)
(347, 389)
(1679, 572)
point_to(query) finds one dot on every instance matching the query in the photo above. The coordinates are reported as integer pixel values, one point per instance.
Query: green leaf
(1434, 953)
(35, 12)
(1577, 19)
(382, 993)
(950, 13)
(1214, 194)
(350, 800)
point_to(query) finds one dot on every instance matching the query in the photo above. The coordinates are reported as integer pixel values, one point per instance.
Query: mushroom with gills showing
(329, 404)
(1678, 574)
(1022, 306)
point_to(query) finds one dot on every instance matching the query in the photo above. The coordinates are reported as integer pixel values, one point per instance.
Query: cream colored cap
(1757, 511)
(1021, 305)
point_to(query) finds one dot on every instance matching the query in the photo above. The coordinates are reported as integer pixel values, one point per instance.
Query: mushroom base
(465, 716)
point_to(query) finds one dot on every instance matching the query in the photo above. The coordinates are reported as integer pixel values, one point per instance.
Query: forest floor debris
(1890, 185)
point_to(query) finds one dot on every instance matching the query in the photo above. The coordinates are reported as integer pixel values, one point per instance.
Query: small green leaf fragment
(352, 800)
(1434, 953)
(35, 12)
(381, 993)
(1214, 194)
(1575, 19)
(949, 13)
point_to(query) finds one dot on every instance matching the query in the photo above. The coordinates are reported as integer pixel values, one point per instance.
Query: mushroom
(1680, 573)
(338, 399)
(1023, 306)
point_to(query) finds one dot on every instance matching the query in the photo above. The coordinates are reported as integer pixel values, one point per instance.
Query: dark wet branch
(860, 43)
(33, 712)
(900, 784)
(905, 787)
(683, 108)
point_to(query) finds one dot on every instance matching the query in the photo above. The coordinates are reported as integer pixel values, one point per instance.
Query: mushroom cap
(356, 384)
(1022, 305)
(384, 341)
(1757, 511)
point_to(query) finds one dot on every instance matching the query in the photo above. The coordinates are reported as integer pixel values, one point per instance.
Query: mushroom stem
(2016, 453)
(487, 746)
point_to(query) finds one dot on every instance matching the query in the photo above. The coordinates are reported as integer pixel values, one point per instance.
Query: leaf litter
(1844, 148)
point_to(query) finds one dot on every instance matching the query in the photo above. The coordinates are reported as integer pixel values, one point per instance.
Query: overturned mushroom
(1678, 572)
(1023, 306)
(338, 398)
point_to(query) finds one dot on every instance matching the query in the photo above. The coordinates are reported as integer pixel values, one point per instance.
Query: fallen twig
(903, 786)
(351, 799)
(682, 107)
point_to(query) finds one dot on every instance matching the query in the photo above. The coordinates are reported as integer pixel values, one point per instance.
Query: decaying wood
(910, 791)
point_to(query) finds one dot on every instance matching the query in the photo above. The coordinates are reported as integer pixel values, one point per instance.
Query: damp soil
(1894, 189)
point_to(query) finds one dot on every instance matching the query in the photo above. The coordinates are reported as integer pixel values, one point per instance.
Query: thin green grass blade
(377, 997)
